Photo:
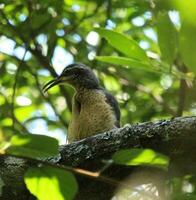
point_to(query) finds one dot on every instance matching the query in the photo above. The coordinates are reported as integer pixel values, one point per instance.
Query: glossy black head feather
(74, 66)
(78, 75)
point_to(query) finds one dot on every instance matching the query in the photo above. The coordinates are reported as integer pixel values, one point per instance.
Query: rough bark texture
(157, 135)
(174, 137)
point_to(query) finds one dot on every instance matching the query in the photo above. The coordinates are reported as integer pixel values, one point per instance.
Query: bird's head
(77, 75)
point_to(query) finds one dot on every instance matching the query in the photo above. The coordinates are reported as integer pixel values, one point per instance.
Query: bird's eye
(75, 76)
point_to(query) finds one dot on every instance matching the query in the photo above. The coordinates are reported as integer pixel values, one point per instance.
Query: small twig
(84, 17)
(157, 98)
(103, 42)
(63, 122)
(85, 173)
(107, 163)
(108, 10)
(14, 90)
(23, 128)
(181, 98)
(182, 93)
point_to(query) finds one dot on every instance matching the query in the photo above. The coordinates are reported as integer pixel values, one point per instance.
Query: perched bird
(94, 110)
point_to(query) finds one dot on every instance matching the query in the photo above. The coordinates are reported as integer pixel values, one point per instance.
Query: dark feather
(114, 104)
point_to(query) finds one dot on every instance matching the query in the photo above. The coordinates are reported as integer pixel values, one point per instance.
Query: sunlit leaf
(187, 10)
(2, 100)
(167, 38)
(4, 142)
(122, 43)
(125, 61)
(22, 113)
(51, 183)
(111, 83)
(187, 45)
(187, 36)
(33, 146)
(147, 157)
(6, 122)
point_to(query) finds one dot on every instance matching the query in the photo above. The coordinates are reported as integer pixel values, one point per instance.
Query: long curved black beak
(51, 84)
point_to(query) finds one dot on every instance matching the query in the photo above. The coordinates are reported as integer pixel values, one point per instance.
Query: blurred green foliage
(56, 33)
(143, 52)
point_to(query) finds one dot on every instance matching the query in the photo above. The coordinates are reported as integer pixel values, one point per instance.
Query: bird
(94, 109)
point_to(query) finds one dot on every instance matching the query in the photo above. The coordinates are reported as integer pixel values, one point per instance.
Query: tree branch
(87, 153)
(155, 135)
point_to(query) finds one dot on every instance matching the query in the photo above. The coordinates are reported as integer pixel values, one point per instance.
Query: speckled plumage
(91, 114)
(94, 110)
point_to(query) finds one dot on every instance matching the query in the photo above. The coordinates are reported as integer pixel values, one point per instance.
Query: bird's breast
(91, 114)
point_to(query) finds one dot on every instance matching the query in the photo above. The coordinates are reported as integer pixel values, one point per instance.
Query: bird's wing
(114, 104)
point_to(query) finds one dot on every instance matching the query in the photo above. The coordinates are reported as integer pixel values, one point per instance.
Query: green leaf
(23, 113)
(123, 44)
(38, 19)
(125, 61)
(167, 38)
(147, 157)
(33, 146)
(187, 10)
(187, 45)
(51, 183)
(181, 196)
(4, 141)
(111, 83)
